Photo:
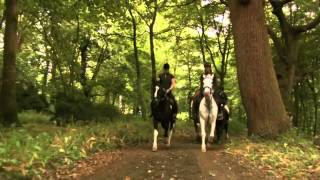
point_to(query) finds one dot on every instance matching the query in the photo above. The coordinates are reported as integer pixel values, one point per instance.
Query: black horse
(223, 113)
(195, 102)
(161, 109)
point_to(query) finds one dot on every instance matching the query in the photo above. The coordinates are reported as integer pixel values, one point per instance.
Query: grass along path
(41, 149)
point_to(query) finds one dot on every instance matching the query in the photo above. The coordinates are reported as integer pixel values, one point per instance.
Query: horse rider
(167, 81)
(206, 78)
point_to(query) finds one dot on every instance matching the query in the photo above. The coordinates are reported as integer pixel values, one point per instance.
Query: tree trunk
(287, 47)
(56, 64)
(140, 99)
(202, 38)
(152, 58)
(45, 76)
(286, 72)
(257, 79)
(83, 69)
(315, 125)
(296, 113)
(189, 65)
(304, 117)
(312, 85)
(8, 100)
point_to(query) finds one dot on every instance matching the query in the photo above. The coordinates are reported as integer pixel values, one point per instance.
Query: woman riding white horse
(208, 108)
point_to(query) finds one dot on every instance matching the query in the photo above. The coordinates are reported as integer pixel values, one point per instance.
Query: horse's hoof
(203, 150)
(154, 149)
(166, 141)
(211, 139)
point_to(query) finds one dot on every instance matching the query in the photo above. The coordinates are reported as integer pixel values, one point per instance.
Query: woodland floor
(183, 160)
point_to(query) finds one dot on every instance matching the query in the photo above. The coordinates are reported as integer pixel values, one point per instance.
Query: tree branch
(277, 10)
(276, 40)
(142, 16)
(224, 2)
(182, 4)
(283, 2)
(310, 25)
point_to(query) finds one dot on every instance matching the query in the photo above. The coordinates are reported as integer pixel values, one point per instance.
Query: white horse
(208, 111)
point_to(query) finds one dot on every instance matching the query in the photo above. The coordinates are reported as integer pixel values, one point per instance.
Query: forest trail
(183, 160)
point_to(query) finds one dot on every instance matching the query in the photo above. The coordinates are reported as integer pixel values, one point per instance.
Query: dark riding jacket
(165, 80)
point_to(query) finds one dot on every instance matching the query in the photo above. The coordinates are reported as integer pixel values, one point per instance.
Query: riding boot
(174, 107)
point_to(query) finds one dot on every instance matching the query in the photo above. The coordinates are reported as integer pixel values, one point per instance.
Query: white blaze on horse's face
(208, 80)
(156, 91)
(207, 83)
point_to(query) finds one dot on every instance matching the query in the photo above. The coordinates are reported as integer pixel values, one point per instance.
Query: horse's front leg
(171, 126)
(155, 135)
(212, 129)
(197, 127)
(203, 134)
(226, 130)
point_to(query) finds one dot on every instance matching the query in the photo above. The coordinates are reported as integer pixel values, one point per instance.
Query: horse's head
(220, 96)
(160, 93)
(207, 95)
(207, 86)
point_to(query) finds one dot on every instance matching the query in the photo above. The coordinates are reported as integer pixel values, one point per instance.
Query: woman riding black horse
(164, 106)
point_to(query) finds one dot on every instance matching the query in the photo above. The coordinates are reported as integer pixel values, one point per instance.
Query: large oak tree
(8, 103)
(257, 79)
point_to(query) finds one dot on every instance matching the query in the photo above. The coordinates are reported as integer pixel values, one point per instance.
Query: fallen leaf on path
(212, 174)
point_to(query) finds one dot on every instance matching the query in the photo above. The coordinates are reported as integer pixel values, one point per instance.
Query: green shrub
(32, 116)
(289, 156)
(237, 127)
(28, 97)
(78, 107)
(31, 150)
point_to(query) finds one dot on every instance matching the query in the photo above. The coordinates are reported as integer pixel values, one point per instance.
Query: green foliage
(288, 156)
(34, 117)
(76, 106)
(28, 97)
(49, 61)
(32, 150)
(237, 127)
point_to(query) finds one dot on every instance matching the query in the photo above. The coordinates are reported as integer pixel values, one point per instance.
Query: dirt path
(183, 160)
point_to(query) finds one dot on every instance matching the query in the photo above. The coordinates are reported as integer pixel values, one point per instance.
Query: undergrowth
(27, 152)
(290, 156)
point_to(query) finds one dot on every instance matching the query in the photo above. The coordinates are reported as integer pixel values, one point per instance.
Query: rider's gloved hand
(167, 91)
